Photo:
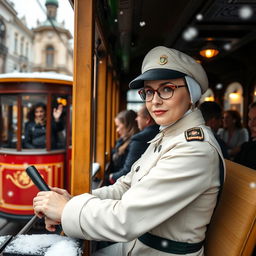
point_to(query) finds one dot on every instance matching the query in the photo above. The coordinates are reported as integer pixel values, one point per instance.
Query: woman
(35, 128)
(138, 142)
(126, 127)
(233, 134)
(164, 204)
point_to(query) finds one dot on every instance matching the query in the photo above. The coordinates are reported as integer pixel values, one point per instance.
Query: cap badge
(163, 60)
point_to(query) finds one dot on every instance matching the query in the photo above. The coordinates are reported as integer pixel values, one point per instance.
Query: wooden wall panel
(82, 96)
(101, 115)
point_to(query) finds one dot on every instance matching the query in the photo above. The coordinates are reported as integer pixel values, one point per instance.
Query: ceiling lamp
(234, 95)
(209, 51)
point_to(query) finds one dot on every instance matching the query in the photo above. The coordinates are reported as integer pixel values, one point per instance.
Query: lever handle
(37, 178)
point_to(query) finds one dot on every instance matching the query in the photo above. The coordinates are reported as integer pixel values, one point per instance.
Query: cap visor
(155, 74)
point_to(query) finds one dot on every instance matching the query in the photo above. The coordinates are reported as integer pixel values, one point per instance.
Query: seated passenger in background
(35, 128)
(232, 132)
(139, 142)
(247, 155)
(126, 127)
(212, 114)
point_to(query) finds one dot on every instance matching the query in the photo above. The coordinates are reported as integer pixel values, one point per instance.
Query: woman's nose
(156, 98)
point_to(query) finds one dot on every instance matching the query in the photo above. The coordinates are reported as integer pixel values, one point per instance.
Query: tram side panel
(16, 188)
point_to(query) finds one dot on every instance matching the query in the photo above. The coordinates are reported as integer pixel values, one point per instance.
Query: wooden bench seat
(232, 231)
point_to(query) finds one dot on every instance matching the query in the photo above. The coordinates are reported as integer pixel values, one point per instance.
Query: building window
(49, 56)
(27, 50)
(9, 119)
(16, 43)
(2, 32)
(22, 46)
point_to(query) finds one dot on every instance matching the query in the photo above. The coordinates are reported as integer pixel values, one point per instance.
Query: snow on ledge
(48, 245)
(43, 75)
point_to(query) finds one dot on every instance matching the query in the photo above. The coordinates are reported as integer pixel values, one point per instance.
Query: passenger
(126, 127)
(35, 128)
(212, 114)
(164, 204)
(247, 155)
(232, 132)
(139, 142)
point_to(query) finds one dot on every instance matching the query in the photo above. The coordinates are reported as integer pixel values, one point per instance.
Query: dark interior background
(136, 26)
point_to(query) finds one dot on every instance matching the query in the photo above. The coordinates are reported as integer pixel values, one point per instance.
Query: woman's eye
(149, 92)
(167, 89)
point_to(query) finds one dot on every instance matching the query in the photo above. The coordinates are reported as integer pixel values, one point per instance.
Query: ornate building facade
(44, 48)
(51, 43)
(16, 41)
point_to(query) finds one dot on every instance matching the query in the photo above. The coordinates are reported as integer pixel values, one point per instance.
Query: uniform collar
(192, 119)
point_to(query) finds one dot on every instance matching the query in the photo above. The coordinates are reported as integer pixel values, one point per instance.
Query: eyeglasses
(165, 92)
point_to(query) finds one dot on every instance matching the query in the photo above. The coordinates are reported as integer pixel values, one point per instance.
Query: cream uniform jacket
(170, 192)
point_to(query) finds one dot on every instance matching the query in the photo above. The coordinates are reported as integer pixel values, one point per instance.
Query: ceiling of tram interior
(187, 25)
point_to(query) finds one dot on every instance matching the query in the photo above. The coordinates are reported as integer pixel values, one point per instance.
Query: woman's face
(168, 111)
(120, 128)
(227, 120)
(39, 113)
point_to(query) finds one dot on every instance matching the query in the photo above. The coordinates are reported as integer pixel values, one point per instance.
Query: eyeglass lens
(164, 92)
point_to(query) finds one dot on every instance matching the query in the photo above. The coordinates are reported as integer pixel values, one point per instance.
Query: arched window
(49, 56)
(207, 96)
(2, 32)
(233, 98)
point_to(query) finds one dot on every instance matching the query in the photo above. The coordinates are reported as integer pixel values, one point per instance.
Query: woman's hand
(50, 204)
(57, 112)
(110, 179)
(61, 191)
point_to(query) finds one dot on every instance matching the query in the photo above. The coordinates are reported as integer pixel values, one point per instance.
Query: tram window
(134, 101)
(9, 114)
(60, 102)
(33, 131)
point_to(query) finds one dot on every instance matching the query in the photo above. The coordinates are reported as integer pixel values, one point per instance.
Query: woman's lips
(159, 112)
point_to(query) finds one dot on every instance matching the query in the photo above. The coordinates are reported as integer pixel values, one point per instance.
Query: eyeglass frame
(158, 93)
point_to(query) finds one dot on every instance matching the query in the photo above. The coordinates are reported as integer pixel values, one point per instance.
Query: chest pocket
(144, 165)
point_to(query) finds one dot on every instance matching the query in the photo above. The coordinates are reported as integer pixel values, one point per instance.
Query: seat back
(232, 231)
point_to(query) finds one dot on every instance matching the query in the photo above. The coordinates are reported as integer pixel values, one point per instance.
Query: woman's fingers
(50, 225)
(61, 191)
(49, 204)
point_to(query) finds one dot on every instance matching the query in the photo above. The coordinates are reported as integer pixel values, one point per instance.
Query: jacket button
(159, 148)
(137, 169)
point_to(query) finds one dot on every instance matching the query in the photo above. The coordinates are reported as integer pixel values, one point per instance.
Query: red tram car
(18, 93)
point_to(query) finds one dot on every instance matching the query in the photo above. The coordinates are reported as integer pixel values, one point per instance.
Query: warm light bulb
(209, 98)
(234, 96)
(209, 52)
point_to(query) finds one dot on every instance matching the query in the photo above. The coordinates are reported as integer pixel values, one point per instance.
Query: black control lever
(37, 179)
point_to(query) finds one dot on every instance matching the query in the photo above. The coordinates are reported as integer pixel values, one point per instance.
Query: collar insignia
(163, 60)
(195, 133)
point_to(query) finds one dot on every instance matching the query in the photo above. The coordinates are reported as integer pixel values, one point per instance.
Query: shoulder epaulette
(195, 133)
